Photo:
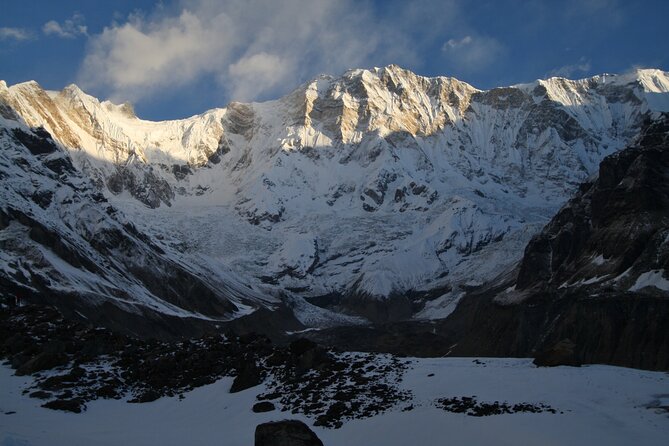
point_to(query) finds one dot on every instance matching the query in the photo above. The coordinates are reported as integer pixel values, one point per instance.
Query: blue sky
(175, 58)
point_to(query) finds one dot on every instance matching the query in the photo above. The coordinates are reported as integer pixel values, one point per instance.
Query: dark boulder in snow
(263, 406)
(561, 353)
(286, 433)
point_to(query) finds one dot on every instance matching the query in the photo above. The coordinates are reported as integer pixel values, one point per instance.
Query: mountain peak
(73, 88)
(439, 172)
(27, 85)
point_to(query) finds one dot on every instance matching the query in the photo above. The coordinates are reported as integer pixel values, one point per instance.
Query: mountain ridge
(374, 185)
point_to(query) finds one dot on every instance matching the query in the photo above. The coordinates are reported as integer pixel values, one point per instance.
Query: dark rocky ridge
(577, 278)
(623, 217)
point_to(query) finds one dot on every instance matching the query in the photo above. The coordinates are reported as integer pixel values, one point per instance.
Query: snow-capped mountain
(63, 243)
(380, 193)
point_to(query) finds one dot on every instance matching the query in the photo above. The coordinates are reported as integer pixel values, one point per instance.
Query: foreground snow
(595, 405)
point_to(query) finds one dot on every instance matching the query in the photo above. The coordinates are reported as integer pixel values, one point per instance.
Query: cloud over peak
(258, 49)
(250, 48)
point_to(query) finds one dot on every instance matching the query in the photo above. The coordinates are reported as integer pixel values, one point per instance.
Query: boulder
(561, 353)
(263, 406)
(285, 433)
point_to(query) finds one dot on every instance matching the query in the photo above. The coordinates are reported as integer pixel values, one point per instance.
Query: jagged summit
(351, 193)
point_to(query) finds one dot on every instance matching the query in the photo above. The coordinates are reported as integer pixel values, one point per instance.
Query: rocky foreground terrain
(239, 389)
(74, 364)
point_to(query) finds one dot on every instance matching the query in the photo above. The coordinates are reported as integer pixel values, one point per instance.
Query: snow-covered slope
(376, 184)
(62, 242)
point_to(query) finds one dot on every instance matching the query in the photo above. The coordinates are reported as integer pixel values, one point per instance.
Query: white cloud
(252, 48)
(265, 70)
(583, 66)
(18, 34)
(137, 58)
(455, 43)
(471, 54)
(69, 29)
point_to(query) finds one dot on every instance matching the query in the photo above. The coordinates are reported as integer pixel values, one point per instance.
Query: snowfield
(595, 405)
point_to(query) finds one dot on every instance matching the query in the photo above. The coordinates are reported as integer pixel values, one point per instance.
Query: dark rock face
(285, 433)
(622, 217)
(626, 329)
(39, 142)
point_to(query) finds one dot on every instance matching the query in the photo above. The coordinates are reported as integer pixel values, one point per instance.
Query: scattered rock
(285, 433)
(468, 405)
(300, 346)
(305, 378)
(660, 404)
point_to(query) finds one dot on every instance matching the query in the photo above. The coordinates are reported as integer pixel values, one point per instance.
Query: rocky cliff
(596, 275)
